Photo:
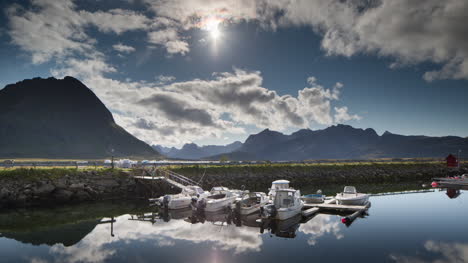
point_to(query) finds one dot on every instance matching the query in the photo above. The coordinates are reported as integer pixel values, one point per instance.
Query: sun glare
(212, 26)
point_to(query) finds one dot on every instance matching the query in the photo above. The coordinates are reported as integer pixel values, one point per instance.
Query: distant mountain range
(343, 142)
(191, 151)
(61, 118)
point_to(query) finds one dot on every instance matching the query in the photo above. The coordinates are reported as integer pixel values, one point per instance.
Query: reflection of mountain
(62, 225)
(67, 235)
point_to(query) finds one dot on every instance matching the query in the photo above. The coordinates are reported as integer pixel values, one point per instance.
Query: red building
(452, 161)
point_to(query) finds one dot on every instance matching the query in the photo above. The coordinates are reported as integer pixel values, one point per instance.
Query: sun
(212, 26)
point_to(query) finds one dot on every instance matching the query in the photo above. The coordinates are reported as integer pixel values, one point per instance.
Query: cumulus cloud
(409, 31)
(444, 252)
(56, 29)
(123, 48)
(184, 111)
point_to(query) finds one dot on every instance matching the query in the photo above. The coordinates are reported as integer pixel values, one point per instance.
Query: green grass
(51, 172)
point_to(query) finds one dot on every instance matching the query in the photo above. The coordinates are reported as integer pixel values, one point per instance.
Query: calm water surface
(423, 227)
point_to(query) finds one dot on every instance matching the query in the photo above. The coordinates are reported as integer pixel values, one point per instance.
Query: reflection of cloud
(96, 247)
(320, 225)
(448, 252)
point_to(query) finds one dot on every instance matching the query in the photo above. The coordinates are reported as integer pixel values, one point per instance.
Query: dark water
(422, 227)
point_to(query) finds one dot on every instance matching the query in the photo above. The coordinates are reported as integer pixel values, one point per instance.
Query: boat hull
(362, 200)
(219, 204)
(286, 213)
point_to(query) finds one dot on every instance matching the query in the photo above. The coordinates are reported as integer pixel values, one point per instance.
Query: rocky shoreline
(29, 187)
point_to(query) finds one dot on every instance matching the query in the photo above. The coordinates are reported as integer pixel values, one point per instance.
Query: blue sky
(213, 72)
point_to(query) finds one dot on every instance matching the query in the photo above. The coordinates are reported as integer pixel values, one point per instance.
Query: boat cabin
(192, 190)
(277, 185)
(219, 192)
(285, 198)
(254, 198)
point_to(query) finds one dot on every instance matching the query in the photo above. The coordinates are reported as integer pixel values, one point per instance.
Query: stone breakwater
(47, 189)
(259, 177)
(31, 187)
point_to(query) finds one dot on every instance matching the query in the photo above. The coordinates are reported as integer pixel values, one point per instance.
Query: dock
(167, 176)
(311, 209)
(451, 182)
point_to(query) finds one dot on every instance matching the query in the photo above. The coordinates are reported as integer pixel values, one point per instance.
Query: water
(423, 227)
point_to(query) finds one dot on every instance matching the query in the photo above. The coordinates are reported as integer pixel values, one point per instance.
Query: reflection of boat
(218, 199)
(182, 200)
(277, 185)
(251, 203)
(349, 196)
(287, 203)
(453, 193)
(283, 228)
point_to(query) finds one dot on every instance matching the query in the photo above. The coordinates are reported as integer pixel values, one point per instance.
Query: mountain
(343, 142)
(192, 151)
(61, 118)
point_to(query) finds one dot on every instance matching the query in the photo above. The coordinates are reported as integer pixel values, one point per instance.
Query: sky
(215, 71)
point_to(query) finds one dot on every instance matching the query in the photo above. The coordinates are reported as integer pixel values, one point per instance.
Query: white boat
(218, 199)
(184, 199)
(251, 203)
(287, 203)
(350, 196)
(277, 185)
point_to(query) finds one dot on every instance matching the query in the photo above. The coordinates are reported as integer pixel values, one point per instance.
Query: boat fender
(434, 184)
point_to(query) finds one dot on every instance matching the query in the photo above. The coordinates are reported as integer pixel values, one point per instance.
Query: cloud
(178, 110)
(56, 29)
(184, 111)
(123, 48)
(411, 32)
(98, 246)
(170, 39)
(342, 115)
(445, 251)
(319, 226)
(163, 79)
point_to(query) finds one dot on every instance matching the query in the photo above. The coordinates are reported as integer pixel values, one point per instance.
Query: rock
(44, 189)
(4, 193)
(82, 196)
(107, 183)
(77, 186)
(62, 195)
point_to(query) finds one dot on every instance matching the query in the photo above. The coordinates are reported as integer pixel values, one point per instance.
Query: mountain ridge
(61, 118)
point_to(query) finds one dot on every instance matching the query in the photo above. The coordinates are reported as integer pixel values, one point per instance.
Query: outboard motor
(269, 211)
(166, 200)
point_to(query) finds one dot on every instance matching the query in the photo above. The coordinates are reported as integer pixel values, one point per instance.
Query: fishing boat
(314, 198)
(218, 199)
(182, 200)
(251, 203)
(350, 196)
(277, 185)
(287, 203)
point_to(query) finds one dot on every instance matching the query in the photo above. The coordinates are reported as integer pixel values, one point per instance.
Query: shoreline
(22, 187)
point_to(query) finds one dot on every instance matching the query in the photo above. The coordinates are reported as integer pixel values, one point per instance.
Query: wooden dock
(311, 209)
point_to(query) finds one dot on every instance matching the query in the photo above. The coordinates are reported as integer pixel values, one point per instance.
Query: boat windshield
(349, 190)
(284, 199)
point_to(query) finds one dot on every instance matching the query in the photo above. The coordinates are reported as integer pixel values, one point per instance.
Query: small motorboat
(182, 200)
(277, 185)
(287, 203)
(218, 199)
(350, 196)
(314, 198)
(251, 203)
